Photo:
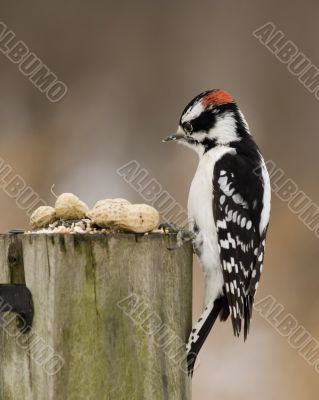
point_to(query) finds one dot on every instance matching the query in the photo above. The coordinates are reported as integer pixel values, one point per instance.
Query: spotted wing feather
(236, 207)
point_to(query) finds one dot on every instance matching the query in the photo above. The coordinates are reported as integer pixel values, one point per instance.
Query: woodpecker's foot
(182, 235)
(170, 228)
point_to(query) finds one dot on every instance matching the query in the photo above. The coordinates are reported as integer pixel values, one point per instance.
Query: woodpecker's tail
(202, 328)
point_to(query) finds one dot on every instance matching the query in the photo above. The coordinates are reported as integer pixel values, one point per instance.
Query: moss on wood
(103, 303)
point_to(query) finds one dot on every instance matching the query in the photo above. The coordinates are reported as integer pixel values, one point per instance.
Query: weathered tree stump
(111, 317)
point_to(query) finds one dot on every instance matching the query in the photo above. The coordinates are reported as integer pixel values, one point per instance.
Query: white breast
(200, 212)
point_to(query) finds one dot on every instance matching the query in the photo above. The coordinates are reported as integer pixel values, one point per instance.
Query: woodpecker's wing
(237, 206)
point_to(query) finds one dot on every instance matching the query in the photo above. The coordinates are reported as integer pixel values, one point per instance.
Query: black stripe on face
(204, 122)
(207, 119)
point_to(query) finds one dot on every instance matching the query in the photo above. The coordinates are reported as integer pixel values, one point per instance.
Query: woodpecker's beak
(179, 135)
(174, 137)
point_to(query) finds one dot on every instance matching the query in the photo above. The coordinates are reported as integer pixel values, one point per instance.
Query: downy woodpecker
(228, 209)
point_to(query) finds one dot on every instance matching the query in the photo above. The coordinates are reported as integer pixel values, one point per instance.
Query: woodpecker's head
(210, 119)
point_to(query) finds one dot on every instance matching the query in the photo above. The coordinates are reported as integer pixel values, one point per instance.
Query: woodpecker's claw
(182, 235)
(169, 228)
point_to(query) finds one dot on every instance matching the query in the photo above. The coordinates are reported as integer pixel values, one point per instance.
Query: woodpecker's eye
(188, 127)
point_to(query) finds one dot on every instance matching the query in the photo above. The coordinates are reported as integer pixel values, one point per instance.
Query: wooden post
(111, 317)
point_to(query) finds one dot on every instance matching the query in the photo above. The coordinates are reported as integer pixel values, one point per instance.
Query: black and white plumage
(229, 208)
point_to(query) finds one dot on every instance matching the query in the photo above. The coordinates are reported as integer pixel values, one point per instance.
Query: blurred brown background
(130, 68)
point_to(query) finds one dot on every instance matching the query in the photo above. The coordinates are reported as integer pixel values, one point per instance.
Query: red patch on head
(217, 98)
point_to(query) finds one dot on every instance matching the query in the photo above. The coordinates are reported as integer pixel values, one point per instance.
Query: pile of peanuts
(71, 215)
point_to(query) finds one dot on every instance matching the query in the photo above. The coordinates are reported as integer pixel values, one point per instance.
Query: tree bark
(111, 317)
